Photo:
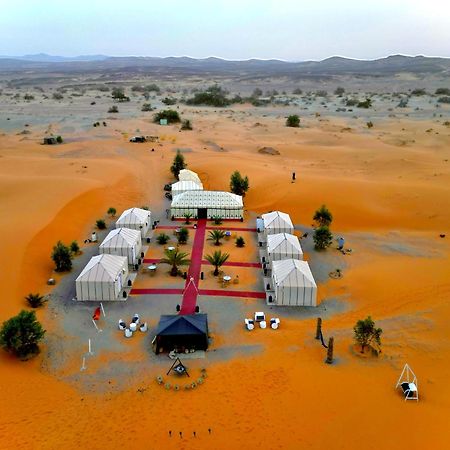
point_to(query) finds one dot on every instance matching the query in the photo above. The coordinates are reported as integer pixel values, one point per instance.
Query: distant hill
(217, 66)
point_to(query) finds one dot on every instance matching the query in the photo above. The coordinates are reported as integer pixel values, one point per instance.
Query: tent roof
(121, 237)
(103, 268)
(207, 199)
(187, 185)
(275, 240)
(275, 219)
(190, 324)
(133, 215)
(292, 272)
(188, 175)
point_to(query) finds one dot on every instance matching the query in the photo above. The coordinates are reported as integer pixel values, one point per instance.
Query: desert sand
(389, 191)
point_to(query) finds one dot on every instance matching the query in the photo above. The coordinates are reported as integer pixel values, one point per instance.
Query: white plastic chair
(274, 323)
(128, 333)
(263, 324)
(249, 324)
(260, 316)
(143, 328)
(133, 326)
(135, 319)
(250, 327)
(122, 325)
(274, 326)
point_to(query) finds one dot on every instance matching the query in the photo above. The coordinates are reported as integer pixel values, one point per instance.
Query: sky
(294, 30)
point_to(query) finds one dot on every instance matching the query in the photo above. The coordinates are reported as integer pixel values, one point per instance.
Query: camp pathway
(227, 263)
(206, 292)
(191, 287)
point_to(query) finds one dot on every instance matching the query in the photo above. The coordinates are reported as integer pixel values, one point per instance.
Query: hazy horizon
(233, 30)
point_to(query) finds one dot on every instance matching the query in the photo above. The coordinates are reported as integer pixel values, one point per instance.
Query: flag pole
(89, 346)
(103, 309)
(83, 365)
(96, 327)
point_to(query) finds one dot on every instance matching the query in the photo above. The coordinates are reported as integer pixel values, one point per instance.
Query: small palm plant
(175, 258)
(217, 259)
(35, 300)
(240, 242)
(217, 220)
(216, 236)
(162, 238)
(187, 218)
(183, 236)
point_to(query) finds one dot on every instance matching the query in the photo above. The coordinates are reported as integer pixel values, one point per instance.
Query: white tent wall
(293, 283)
(135, 219)
(88, 288)
(120, 247)
(277, 222)
(283, 246)
(211, 212)
(185, 186)
(189, 175)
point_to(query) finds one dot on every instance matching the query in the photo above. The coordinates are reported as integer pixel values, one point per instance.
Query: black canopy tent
(182, 332)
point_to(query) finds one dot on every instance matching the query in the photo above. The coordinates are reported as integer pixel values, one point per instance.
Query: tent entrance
(202, 213)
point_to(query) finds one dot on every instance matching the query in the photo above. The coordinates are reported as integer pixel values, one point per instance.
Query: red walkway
(191, 289)
(207, 292)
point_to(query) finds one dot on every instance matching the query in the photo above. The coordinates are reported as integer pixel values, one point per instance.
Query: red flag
(96, 315)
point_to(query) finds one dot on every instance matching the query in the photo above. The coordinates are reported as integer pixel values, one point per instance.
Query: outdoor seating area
(260, 319)
(134, 326)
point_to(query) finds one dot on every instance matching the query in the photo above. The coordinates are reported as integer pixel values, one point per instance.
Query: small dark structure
(138, 139)
(178, 367)
(52, 140)
(182, 332)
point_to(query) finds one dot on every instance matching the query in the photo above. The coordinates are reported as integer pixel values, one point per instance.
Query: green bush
(59, 139)
(183, 236)
(178, 164)
(442, 91)
(169, 101)
(101, 225)
(238, 185)
(62, 257)
(111, 211)
(367, 103)
(162, 239)
(74, 248)
(240, 242)
(186, 125)
(444, 100)
(293, 121)
(113, 109)
(322, 238)
(21, 334)
(169, 114)
(146, 107)
(212, 96)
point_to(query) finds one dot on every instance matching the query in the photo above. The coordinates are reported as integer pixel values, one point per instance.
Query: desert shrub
(183, 236)
(146, 107)
(419, 92)
(444, 100)
(321, 93)
(170, 115)
(113, 109)
(162, 238)
(322, 238)
(118, 94)
(240, 242)
(367, 103)
(238, 185)
(212, 96)
(21, 334)
(293, 121)
(169, 101)
(59, 139)
(369, 124)
(103, 88)
(257, 92)
(351, 102)
(74, 248)
(167, 386)
(186, 125)
(339, 91)
(152, 88)
(365, 333)
(159, 379)
(100, 223)
(35, 300)
(62, 257)
(217, 220)
(57, 96)
(442, 91)
(297, 91)
(111, 211)
(323, 216)
(28, 97)
(403, 103)
(178, 164)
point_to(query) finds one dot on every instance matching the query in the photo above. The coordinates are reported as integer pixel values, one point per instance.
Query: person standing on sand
(293, 176)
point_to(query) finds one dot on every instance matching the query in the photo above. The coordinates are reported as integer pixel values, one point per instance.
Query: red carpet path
(191, 289)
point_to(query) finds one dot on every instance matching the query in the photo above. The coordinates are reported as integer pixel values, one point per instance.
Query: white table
(171, 249)
(227, 278)
(152, 267)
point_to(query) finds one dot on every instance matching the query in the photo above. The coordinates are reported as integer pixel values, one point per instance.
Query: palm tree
(216, 236)
(187, 218)
(175, 258)
(217, 259)
(35, 300)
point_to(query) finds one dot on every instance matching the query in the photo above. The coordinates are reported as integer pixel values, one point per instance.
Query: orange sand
(283, 396)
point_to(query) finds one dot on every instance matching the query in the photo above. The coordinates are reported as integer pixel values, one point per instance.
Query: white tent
(207, 204)
(123, 242)
(103, 278)
(183, 186)
(276, 222)
(293, 283)
(283, 246)
(188, 175)
(136, 219)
